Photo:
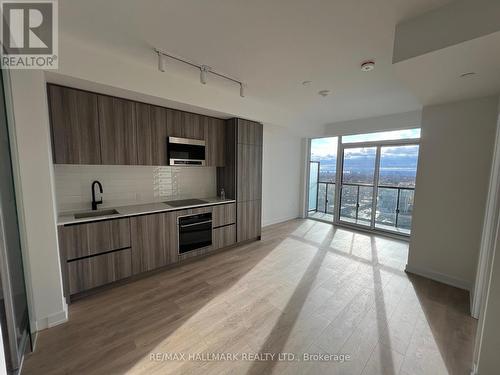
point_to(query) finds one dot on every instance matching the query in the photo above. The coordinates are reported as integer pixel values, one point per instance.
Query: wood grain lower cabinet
(82, 240)
(154, 241)
(88, 273)
(248, 220)
(223, 236)
(223, 214)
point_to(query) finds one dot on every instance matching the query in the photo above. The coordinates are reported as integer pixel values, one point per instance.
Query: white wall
(452, 183)
(397, 121)
(38, 205)
(130, 184)
(488, 336)
(281, 175)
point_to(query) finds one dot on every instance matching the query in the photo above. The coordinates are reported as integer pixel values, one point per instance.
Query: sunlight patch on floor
(215, 329)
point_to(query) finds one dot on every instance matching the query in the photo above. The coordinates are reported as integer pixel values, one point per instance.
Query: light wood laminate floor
(307, 287)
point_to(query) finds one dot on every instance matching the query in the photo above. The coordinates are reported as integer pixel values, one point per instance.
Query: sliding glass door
(378, 186)
(375, 186)
(358, 181)
(396, 188)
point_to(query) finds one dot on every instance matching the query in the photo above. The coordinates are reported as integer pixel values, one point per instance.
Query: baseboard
(437, 276)
(277, 221)
(52, 320)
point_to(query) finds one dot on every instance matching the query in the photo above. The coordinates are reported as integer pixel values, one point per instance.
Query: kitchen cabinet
(250, 132)
(151, 134)
(90, 128)
(185, 124)
(75, 126)
(249, 180)
(226, 176)
(223, 236)
(248, 222)
(87, 273)
(215, 139)
(118, 133)
(154, 241)
(83, 240)
(223, 214)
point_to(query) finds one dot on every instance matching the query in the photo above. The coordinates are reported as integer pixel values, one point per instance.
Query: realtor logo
(29, 34)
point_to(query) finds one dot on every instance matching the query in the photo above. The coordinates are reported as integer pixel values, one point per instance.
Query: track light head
(242, 90)
(162, 62)
(203, 73)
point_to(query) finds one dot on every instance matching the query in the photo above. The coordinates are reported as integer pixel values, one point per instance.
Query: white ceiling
(271, 45)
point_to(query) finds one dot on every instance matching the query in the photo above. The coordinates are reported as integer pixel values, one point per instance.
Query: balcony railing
(394, 206)
(325, 197)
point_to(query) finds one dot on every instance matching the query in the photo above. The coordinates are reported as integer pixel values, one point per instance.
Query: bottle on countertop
(222, 194)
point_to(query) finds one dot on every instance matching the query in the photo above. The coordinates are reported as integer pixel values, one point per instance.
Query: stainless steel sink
(83, 215)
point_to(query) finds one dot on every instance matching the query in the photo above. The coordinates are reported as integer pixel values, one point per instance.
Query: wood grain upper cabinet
(118, 132)
(75, 126)
(151, 134)
(154, 239)
(215, 140)
(249, 132)
(249, 177)
(184, 124)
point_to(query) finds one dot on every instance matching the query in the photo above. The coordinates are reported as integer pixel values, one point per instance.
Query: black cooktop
(185, 202)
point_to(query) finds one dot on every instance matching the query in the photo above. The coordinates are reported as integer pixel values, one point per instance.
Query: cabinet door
(88, 273)
(193, 126)
(75, 126)
(215, 138)
(249, 132)
(249, 220)
(224, 236)
(223, 214)
(249, 176)
(76, 241)
(153, 237)
(151, 134)
(184, 125)
(117, 131)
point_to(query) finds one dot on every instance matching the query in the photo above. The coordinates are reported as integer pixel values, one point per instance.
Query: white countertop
(133, 210)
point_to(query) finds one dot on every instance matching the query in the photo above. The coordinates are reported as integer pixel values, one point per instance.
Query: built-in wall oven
(185, 151)
(195, 232)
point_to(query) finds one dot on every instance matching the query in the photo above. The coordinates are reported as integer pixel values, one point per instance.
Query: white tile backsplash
(125, 185)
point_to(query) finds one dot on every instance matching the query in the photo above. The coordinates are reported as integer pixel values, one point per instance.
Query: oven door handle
(193, 224)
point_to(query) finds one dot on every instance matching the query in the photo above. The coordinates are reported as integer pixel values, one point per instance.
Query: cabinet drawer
(224, 214)
(88, 273)
(224, 236)
(82, 240)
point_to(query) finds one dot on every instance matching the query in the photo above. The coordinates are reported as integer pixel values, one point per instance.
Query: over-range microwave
(185, 151)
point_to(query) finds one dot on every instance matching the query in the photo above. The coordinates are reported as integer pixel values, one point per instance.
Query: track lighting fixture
(204, 69)
(203, 74)
(162, 62)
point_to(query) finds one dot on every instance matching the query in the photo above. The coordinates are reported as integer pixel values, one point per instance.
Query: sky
(323, 147)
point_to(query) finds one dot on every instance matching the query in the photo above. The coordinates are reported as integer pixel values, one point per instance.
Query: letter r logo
(27, 27)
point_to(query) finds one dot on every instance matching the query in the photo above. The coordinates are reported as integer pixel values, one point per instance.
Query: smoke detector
(368, 66)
